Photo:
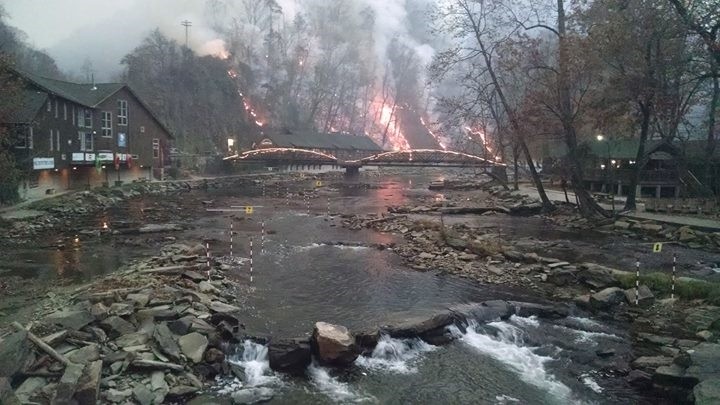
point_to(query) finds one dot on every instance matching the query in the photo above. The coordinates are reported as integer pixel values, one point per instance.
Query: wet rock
(71, 319)
(121, 309)
(685, 234)
(482, 312)
(639, 379)
(706, 335)
(527, 309)
(140, 300)
(207, 288)
(707, 392)
(194, 276)
(213, 355)
(166, 342)
(159, 386)
(705, 359)
(115, 327)
(193, 346)
(221, 307)
(181, 391)
(607, 298)
(367, 339)
(656, 339)
(562, 277)
(84, 355)
(99, 311)
(132, 339)
(15, 353)
(333, 344)
(621, 225)
(290, 356)
(645, 296)
(674, 375)
(88, 388)
(155, 228)
(651, 362)
(421, 327)
(252, 395)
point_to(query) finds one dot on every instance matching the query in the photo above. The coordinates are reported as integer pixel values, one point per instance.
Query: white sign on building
(43, 163)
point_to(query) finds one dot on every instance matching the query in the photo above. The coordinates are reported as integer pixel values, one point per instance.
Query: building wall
(77, 178)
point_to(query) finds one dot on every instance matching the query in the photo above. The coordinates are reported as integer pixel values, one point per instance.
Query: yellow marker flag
(318, 183)
(657, 247)
(249, 209)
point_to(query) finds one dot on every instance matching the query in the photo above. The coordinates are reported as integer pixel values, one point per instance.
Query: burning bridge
(411, 157)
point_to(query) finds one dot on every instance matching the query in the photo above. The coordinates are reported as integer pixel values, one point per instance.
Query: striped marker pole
(262, 237)
(328, 206)
(263, 189)
(307, 204)
(251, 260)
(287, 196)
(672, 294)
(637, 281)
(231, 239)
(207, 256)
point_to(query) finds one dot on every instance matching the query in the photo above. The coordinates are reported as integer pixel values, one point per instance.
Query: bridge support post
(352, 172)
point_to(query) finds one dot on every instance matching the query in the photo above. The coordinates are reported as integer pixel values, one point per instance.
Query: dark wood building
(70, 135)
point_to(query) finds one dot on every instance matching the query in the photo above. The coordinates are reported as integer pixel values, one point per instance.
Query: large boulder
(607, 298)
(333, 344)
(290, 356)
(115, 327)
(71, 319)
(88, 388)
(15, 352)
(193, 346)
(705, 361)
(597, 276)
(707, 392)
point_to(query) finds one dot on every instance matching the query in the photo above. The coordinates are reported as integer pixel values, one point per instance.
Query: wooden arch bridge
(410, 157)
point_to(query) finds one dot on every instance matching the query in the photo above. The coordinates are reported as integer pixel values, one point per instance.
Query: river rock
(15, 352)
(252, 395)
(132, 339)
(705, 358)
(88, 388)
(116, 396)
(193, 346)
(152, 228)
(71, 319)
(367, 339)
(333, 344)
(707, 392)
(116, 327)
(140, 300)
(482, 312)
(645, 296)
(674, 375)
(143, 395)
(166, 342)
(685, 234)
(84, 355)
(597, 276)
(7, 396)
(651, 362)
(527, 309)
(290, 356)
(217, 306)
(421, 327)
(607, 298)
(29, 387)
(562, 277)
(639, 379)
(67, 384)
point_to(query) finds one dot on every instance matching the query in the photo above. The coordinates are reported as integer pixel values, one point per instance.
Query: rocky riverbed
(164, 329)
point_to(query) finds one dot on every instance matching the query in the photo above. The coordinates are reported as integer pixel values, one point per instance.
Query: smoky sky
(103, 31)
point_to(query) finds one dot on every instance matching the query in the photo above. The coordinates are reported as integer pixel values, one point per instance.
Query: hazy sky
(47, 22)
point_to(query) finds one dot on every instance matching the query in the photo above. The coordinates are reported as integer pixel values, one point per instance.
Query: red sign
(129, 161)
(117, 162)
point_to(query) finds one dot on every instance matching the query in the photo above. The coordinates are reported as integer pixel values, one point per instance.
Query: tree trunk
(711, 142)
(646, 111)
(587, 206)
(516, 175)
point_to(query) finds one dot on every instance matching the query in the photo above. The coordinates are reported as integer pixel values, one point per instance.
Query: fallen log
(42, 345)
(472, 210)
(157, 365)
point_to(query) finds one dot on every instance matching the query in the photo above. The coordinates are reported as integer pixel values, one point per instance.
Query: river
(309, 268)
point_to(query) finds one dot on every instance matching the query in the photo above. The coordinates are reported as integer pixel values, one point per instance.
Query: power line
(187, 24)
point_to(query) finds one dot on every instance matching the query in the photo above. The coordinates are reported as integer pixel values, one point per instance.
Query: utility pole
(187, 24)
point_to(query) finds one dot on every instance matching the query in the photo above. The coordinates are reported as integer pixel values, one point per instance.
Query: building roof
(87, 94)
(312, 139)
(32, 102)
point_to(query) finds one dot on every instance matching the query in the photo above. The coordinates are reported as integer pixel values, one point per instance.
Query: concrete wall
(60, 180)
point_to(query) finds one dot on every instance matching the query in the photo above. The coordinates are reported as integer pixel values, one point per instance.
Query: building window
(24, 139)
(156, 147)
(65, 111)
(52, 140)
(49, 105)
(107, 124)
(86, 141)
(73, 115)
(57, 140)
(80, 118)
(122, 114)
(56, 108)
(88, 118)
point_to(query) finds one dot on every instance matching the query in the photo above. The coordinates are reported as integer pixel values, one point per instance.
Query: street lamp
(611, 163)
